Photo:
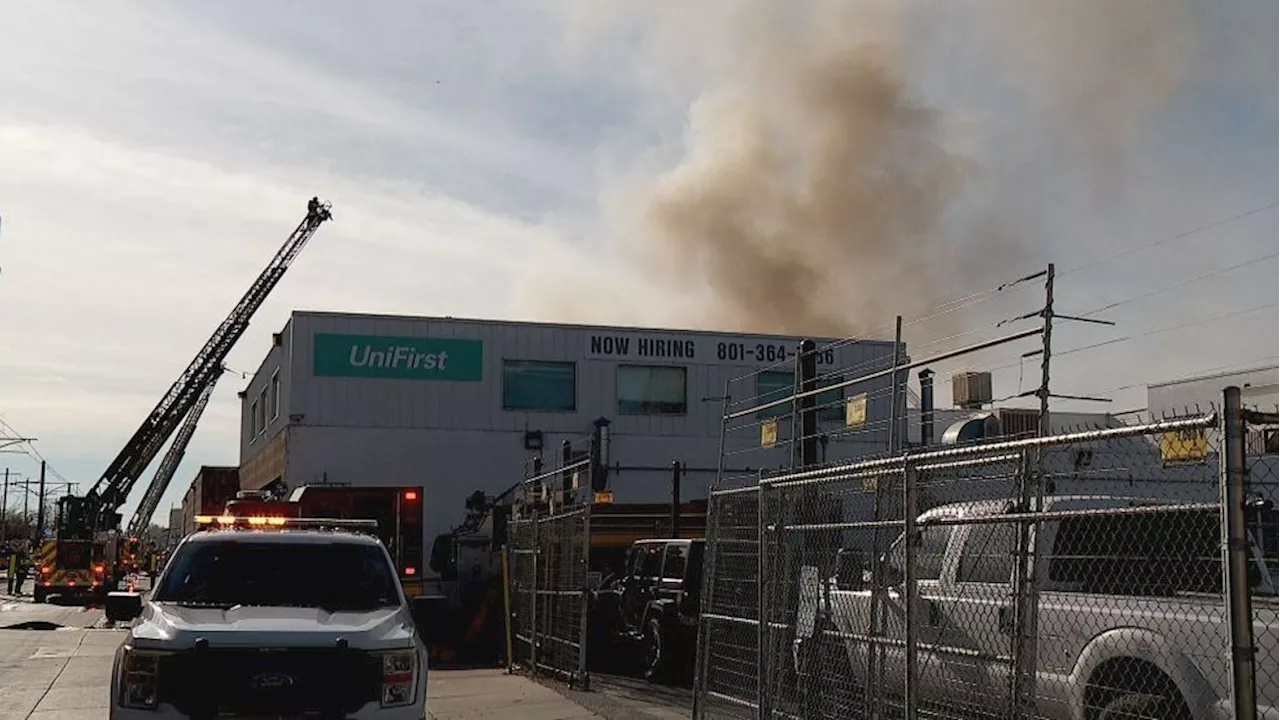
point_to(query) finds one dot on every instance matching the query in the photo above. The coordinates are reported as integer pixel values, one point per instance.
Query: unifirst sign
(401, 358)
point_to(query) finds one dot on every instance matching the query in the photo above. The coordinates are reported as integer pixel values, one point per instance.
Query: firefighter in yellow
(17, 570)
(12, 573)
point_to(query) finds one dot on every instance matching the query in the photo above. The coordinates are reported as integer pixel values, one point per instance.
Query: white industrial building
(1258, 389)
(462, 405)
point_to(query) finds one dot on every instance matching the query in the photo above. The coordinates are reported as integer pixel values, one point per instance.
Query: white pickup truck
(1131, 619)
(295, 619)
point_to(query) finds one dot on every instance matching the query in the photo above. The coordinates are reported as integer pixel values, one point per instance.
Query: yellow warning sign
(1184, 446)
(855, 411)
(768, 433)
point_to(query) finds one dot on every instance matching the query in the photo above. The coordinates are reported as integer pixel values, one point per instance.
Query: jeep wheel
(654, 662)
(1132, 706)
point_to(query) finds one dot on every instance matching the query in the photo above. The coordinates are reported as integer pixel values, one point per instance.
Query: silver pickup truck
(1131, 619)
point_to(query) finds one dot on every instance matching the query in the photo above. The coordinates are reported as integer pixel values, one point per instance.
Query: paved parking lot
(55, 664)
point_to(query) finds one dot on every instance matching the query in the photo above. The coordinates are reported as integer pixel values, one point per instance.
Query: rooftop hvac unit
(1018, 422)
(971, 390)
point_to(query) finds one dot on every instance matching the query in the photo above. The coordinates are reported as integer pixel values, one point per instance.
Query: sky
(534, 160)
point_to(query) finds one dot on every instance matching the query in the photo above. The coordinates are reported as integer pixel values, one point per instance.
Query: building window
(275, 394)
(253, 421)
(536, 385)
(774, 385)
(651, 390)
(262, 407)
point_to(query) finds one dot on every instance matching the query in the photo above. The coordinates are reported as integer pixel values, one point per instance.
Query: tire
(1135, 705)
(38, 594)
(655, 661)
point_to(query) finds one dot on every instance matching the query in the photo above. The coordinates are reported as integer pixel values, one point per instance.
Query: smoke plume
(821, 192)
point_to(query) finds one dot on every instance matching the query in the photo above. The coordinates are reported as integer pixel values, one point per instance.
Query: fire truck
(75, 568)
(89, 546)
(397, 510)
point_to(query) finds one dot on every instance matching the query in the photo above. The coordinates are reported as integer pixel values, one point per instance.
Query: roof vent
(971, 390)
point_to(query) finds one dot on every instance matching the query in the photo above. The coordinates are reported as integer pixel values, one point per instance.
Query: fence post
(506, 607)
(1025, 598)
(533, 589)
(587, 497)
(763, 710)
(1235, 550)
(911, 589)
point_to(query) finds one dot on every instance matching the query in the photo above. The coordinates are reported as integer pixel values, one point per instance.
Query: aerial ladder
(95, 517)
(139, 552)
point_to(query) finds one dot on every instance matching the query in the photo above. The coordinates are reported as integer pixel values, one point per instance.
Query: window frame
(827, 412)
(573, 365)
(275, 394)
(966, 555)
(253, 420)
(682, 550)
(684, 386)
(262, 398)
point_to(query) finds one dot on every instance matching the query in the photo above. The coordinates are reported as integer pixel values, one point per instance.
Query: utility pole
(40, 509)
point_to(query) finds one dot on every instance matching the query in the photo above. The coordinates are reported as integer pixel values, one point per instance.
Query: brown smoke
(817, 191)
(808, 195)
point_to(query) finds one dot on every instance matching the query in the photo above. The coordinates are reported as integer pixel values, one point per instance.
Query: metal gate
(549, 536)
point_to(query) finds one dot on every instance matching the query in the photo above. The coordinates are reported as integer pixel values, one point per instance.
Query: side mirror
(123, 606)
(849, 569)
(430, 616)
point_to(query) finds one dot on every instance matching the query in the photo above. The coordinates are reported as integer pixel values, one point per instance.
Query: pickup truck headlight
(140, 678)
(399, 675)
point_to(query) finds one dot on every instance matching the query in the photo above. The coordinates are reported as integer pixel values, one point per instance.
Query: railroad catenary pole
(4, 508)
(40, 508)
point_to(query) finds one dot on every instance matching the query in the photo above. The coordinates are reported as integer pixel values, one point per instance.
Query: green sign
(402, 358)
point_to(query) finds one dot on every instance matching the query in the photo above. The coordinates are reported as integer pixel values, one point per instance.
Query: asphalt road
(55, 664)
(55, 661)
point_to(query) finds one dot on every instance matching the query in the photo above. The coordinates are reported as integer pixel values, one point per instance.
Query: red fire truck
(398, 511)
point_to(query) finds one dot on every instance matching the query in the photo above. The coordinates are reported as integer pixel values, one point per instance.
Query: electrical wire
(1182, 284)
(29, 449)
(1136, 336)
(1171, 238)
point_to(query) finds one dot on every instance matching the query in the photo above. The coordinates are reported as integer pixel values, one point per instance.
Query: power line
(1182, 284)
(29, 449)
(1149, 333)
(1171, 238)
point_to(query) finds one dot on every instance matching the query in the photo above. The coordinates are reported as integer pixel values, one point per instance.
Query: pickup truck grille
(322, 683)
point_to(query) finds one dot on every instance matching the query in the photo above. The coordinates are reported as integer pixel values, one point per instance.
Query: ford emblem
(269, 681)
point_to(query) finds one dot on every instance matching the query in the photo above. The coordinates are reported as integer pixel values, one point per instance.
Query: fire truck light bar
(233, 521)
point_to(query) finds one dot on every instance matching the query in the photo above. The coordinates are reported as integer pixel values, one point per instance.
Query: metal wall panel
(454, 437)
(376, 402)
(1258, 390)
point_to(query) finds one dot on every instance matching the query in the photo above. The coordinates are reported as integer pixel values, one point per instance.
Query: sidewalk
(473, 694)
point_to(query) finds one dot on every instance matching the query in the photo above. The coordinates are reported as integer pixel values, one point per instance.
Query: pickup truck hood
(170, 627)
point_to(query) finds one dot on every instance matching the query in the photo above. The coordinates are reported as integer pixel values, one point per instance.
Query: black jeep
(649, 611)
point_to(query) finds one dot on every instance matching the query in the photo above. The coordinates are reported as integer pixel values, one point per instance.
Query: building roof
(564, 325)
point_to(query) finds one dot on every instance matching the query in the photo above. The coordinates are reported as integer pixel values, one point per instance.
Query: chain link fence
(1074, 575)
(549, 535)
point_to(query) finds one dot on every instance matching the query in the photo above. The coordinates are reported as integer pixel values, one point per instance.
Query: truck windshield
(333, 576)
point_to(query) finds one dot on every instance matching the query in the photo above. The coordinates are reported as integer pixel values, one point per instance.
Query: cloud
(152, 161)
(120, 261)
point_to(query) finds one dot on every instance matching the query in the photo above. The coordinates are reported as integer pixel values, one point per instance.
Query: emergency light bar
(256, 522)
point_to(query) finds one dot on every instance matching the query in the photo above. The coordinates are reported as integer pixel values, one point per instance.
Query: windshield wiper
(354, 606)
(199, 604)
